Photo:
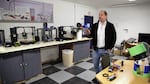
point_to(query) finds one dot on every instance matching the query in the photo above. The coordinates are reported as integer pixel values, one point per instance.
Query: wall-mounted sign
(25, 11)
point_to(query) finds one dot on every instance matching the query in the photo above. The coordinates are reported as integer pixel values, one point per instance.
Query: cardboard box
(116, 52)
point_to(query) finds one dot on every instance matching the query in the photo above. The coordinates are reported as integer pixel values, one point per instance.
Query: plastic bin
(138, 49)
(67, 55)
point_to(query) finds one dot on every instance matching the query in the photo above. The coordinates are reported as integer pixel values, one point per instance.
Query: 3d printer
(46, 35)
(21, 35)
(66, 33)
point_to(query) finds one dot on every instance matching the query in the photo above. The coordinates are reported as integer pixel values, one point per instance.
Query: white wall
(135, 19)
(65, 13)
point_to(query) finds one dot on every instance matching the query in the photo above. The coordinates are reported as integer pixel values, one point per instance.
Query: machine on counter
(46, 35)
(141, 55)
(19, 35)
(66, 33)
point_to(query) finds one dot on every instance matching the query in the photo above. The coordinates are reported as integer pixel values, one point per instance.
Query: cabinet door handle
(21, 65)
(26, 64)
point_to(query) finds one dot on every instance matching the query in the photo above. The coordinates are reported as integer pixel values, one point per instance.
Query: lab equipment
(141, 55)
(22, 35)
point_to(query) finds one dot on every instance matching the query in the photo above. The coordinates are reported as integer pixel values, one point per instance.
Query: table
(4, 50)
(125, 77)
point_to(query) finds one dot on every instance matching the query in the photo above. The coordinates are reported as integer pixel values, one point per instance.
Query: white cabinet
(49, 54)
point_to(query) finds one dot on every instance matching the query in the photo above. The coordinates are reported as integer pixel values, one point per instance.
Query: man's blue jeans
(96, 55)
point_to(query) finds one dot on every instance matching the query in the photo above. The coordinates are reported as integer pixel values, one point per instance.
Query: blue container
(147, 69)
(136, 66)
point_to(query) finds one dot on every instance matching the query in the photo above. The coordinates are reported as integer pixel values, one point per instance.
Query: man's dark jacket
(110, 35)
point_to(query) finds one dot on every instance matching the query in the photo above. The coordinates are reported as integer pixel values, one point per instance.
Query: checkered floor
(80, 73)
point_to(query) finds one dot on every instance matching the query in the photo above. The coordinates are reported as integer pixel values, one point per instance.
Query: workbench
(24, 62)
(125, 77)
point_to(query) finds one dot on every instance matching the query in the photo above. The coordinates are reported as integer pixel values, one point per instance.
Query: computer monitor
(144, 37)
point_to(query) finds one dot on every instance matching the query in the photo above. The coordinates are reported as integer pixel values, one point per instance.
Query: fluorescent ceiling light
(131, 0)
(122, 5)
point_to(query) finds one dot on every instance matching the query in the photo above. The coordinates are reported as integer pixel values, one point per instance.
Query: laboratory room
(74, 42)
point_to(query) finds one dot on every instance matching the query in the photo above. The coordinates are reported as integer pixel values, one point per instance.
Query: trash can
(67, 55)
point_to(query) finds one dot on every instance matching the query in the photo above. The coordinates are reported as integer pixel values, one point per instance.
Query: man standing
(104, 38)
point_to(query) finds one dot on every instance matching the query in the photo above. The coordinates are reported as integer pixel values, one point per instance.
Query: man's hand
(109, 52)
(88, 31)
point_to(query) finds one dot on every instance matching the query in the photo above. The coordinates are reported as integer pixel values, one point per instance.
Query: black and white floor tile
(80, 73)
